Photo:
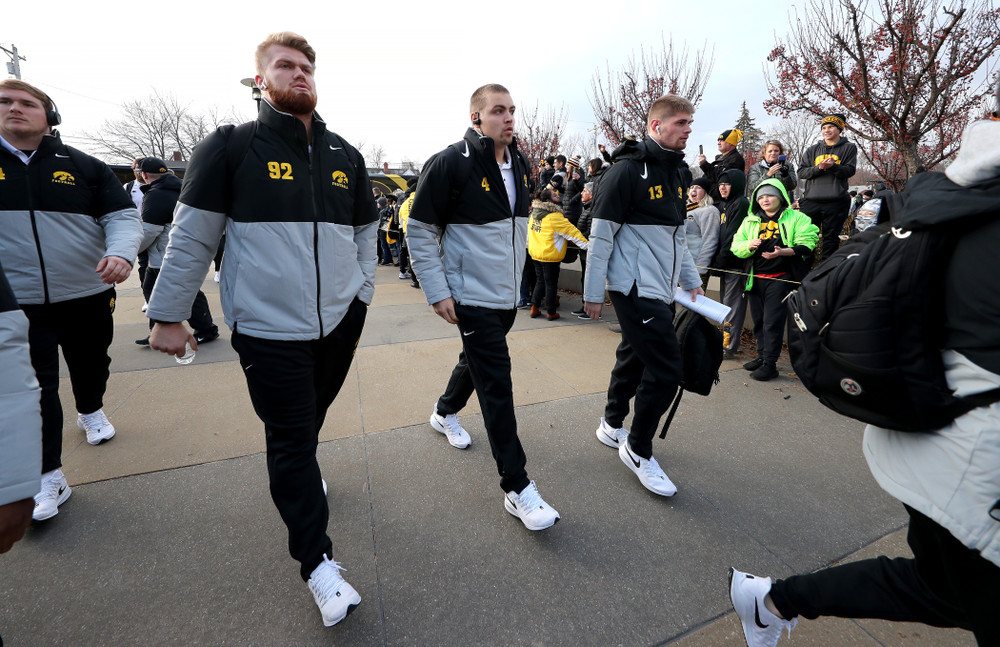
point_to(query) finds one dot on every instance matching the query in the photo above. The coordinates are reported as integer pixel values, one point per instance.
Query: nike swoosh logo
(61, 490)
(62, 156)
(635, 461)
(608, 436)
(466, 334)
(466, 153)
(756, 615)
(645, 171)
(646, 321)
(247, 368)
(337, 148)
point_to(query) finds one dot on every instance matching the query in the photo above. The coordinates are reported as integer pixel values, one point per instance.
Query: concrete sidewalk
(170, 537)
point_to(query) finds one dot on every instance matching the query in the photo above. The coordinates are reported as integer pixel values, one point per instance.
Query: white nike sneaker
(530, 508)
(761, 628)
(145, 306)
(55, 490)
(218, 277)
(648, 470)
(97, 426)
(452, 428)
(610, 436)
(335, 598)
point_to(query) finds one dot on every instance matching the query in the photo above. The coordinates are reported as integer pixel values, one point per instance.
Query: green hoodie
(797, 232)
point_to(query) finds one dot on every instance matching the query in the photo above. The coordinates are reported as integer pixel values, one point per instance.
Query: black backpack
(701, 352)
(865, 330)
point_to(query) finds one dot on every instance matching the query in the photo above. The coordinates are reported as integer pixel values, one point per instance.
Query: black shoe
(414, 284)
(205, 337)
(729, 354)
(142, 342)
(754, 364)
(765, 372)
(579, 313)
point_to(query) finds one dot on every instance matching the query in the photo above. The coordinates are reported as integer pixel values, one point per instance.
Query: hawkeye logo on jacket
(340, 179)
(820, 158)
(62, 177)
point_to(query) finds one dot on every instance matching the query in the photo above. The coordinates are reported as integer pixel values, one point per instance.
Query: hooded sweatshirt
(788, 228)
(831, 183)
(733, 211)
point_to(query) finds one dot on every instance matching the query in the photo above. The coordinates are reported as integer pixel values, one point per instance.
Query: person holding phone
(773, 164)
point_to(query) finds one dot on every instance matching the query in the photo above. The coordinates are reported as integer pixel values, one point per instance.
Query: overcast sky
(394, 74)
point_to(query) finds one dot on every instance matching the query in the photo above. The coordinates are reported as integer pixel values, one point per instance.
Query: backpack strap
(673, 410)
(962, 406)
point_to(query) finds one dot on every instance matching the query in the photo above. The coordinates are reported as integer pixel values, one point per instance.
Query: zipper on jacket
(34, 230)
(312, 192)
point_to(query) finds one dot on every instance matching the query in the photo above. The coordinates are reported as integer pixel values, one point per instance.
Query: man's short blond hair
(667, 106)
(17, 84)
(478, 100)
(288, 39)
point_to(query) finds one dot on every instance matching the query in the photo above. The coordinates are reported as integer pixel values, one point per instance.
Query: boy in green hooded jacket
(778, 242)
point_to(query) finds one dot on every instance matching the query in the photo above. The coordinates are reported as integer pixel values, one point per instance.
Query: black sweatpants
(647, 367)
(546, 285)
(769, 315)
(829, 216)
(484, 367)
(944, 585)
(201, 316)
(291, 385)
(83, 328)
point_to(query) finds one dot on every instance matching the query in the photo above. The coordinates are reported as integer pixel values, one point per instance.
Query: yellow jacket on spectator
(548, 231)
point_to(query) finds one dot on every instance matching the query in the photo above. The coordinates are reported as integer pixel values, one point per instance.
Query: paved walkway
(170, 537)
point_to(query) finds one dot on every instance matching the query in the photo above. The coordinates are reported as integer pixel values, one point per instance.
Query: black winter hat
(152, 165)
(704, 183)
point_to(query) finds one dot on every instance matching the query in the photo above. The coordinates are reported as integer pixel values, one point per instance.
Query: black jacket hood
(933, 199)
(646, 150)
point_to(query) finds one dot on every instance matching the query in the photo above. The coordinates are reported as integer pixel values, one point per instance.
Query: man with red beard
(295, 203)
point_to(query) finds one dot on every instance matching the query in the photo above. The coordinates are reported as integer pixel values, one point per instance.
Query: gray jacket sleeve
(366, 237)
(426, 226)
(21, 423)
(709, 223)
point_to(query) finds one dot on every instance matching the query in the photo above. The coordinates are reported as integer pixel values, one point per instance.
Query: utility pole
(14, 67)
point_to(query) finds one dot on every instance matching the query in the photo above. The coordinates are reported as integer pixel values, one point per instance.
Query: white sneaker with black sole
(530, 508)
(610, 436)
(761, 628)
(451, 428)
(55, 490)
(648, 470)
(97, 426)
(335, 598)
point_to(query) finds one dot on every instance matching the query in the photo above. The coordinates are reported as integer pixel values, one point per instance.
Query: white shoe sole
(353, 600)
(509, 507)
(97, 438)
(61, 500)
(441, 429)
(635, 470)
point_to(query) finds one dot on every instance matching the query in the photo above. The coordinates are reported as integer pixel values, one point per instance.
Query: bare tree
(374, 156)
(796, 132)
(540, 134)
(156, 126)
(621, 98)
(908, 73)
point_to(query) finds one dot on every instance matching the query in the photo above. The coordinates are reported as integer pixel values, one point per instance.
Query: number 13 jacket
(637, 234)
